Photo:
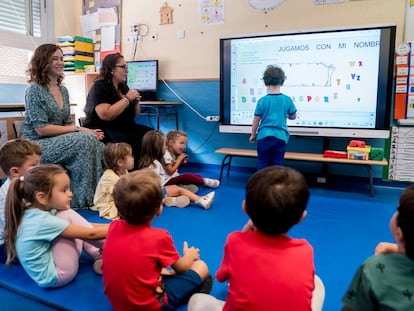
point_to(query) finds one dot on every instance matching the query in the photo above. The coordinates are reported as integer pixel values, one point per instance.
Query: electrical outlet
(213, 118)
(131, 39)
(134, 28)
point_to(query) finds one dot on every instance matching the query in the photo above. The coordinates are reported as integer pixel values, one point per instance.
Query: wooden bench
(229, 153)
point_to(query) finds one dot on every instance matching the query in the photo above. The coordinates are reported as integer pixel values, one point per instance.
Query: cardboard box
(356, 153)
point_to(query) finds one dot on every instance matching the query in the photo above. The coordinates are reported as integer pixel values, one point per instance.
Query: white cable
(181, 99)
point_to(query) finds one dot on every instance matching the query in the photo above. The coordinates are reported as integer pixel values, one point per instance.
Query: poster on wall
(401, 163)
(211, 12)
(101, 22)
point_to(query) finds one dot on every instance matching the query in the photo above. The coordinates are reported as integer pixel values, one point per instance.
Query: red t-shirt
(267, 273)
(133, 257)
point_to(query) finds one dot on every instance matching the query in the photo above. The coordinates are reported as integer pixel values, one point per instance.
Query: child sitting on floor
(175, 156)
(48, 246)
(264, 267)
(385, 281)
(118, 159)
(152, 156)
(16, 157)
(135, 252)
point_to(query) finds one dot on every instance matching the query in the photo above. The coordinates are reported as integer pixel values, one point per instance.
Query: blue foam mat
(85, 292)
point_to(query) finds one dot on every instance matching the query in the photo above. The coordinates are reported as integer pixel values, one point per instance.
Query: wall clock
(403, 49)
(265, 5)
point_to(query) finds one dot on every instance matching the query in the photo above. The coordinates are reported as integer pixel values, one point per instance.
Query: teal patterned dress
(80, 153)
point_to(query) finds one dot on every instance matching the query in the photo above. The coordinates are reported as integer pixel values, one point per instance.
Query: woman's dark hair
(106, 72)
(39, 65)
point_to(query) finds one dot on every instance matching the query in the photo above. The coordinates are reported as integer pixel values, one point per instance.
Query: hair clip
(26, 203)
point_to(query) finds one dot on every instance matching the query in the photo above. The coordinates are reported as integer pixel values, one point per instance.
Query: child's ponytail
(22, 195)
(14, 209)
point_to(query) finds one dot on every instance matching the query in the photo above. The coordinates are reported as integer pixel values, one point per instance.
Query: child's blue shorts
(180, 287)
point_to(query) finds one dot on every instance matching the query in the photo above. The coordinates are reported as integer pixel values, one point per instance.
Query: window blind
(21, 16)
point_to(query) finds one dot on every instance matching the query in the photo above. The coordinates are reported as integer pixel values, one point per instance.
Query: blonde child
(16, 157)
(119, 160)
(135, 252)
(152, 156)
(175, 156)
(48, 246)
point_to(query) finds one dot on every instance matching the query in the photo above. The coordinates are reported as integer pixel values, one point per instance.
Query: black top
(102, 92)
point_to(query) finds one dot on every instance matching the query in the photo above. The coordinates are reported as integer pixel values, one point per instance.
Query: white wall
(197, 55)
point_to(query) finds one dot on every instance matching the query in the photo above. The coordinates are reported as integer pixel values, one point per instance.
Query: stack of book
(68, 48)
(83, 53)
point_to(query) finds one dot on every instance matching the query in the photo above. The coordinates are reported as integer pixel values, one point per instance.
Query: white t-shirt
(159, 169)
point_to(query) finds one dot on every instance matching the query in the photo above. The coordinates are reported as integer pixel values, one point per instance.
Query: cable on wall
(205, 118)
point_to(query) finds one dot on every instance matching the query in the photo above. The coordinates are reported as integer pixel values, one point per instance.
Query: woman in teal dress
(48, 122)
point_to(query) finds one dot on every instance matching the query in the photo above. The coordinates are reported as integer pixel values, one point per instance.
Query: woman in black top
(113, 107)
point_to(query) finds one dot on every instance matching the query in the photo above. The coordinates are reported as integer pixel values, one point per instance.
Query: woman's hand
(97, 132)
(133, 95)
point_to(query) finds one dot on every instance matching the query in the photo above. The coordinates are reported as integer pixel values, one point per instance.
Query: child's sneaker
(211, 183)
(97, 266)
(180, 201)
(205, 201)
(190, 187)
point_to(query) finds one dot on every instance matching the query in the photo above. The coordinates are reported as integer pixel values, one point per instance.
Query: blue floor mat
(343, 225)
(85, 292)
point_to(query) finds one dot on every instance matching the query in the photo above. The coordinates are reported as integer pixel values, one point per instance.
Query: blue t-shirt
(273, 109)
(34, 245)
